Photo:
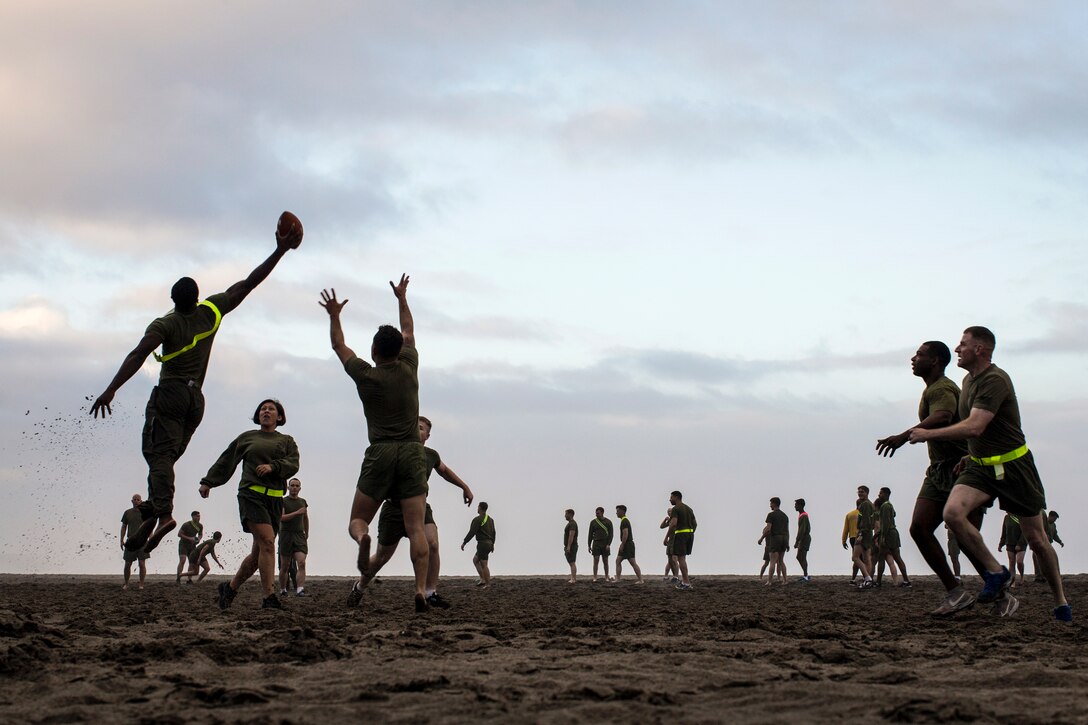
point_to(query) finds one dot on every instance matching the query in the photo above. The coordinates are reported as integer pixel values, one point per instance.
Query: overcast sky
(652, 246)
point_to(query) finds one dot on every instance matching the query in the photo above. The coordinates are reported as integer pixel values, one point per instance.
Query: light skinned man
(776, 532)
(482, 528)
(189, 536)
(681, 536)
(600, 541)
(132, 518)
(626, 550)
(294, 537)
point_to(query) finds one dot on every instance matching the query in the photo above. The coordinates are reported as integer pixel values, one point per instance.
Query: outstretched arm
(239, 290)
(336, 332)
(129, 366)
(407, 326)
(973, 427)
(447, 473)
(888, 446)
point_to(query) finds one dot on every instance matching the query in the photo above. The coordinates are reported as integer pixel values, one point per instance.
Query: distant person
(1050, 522)
(570, 544)
(681, 535)
(482, 529)
(600, 541)
(394, 465)
(888, 542)
(672, 573)
(776, 532)
(268, 459)
(849, 538)
(132, 518)
(1015, 545)
(766, 559)
(294, 538)
(938, 408)
(999, 466)
(626, 550)
(863, 544)
(176, 405)
(198, 560)
(954, 556)
(189, 535)
(804, 538)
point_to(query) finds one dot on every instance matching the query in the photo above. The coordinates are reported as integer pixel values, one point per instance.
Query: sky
(651, 246)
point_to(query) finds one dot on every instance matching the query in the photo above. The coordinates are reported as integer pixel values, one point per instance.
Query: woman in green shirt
(268, 459)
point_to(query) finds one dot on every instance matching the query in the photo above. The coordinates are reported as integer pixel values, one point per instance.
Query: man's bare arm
(973, 427)
(129, 366)
(447, 473)
(336, 332)
(407, 326)
(888, 446)
(240, 290)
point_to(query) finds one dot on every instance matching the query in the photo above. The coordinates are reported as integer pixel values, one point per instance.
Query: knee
(432, 545)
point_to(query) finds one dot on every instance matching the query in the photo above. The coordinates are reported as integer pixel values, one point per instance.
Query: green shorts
(682, 543)
(1019, 493)
(804, 544)
(953, 544)
(766, 551)
(185, 547)
(396, 470)
(626, 552)
(669, 549)
(259, 508)
(938, 481)
(142, 555)
(778, 543)
(391, 523)
(484, 549)
(864, 539)
(292, 542)
(598, 548)
(572, 555)
(890, 541)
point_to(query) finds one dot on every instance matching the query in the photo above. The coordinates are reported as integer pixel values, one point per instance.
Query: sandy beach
(78, 649)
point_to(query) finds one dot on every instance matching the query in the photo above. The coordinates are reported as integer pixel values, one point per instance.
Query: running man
(681, 536)
(189, 535)
(999, 465)
(626, 551)
(483, 529)
(1050, 522)
(198, 560)
(888, 541)
(937, 408)
(863, 544)
(776, 532)
(672, 573)
(394, 465)
(804, 538)
(294, 533)
(130, 520)
(849, 538)
(176, 405)
(570, 544)
(600, 542)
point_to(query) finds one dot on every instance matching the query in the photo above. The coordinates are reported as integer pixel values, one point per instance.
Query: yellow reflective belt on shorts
(197, 338)
(273, 492)
(997, 461)
(684, 531)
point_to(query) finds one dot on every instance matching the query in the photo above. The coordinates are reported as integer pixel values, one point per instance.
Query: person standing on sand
(1015, 545)
(394, 465)
(626, 550)
(888, 542)
(849, 538)
(804, 538)
(189, 535)
(268, 459)
(776, 532)
(863, 544)
(199, 558)
(483, 529)
(954, 555)
(999, 465)
(937, 408)
(294, 535)
(1050, 522)
(600, 541)
(672, 574)
(681, 535)
(176, 405)
(570, 544)
(132, 518)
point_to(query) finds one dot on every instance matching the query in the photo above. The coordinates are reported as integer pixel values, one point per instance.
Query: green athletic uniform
(866, 514)
(201, 553)
(683, 536)
(941, 395)
(572, 552)
(804, 532)
(1012, 536)
(133, 519)
(889, 534)
(1015, 483)
(189, 529)
(1051, 529)
(483, 528)
(176, 405)
(600, 536)
(953, 544)
(393, 466)
(293, 533)
(391, 517)
(627, 551)
(260, 498)
(778, 540)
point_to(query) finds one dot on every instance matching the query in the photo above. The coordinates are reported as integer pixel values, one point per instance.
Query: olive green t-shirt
(483, 528)
(780, 523)
(804, 528)
(942, 394)
(601, 530)
(887, 517)
(625, 525)
(205, 549)
(295, 525)
(133, 520)
(866, 512)
(193, 530)
(992, 390)
(571, 526)
(390, 396)
(685, 517)
(432, 459)
(178, 330)
(251, 449)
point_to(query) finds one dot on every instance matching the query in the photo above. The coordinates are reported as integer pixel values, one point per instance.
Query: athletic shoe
(875, 585)
(421, 604)
(283, 592)
(1064, 613)
(356, 595)
(804, 580)
(482, 583)
(957, 600)
(302, 593)
(905, 585)
(674, 580)
(271, 602)
(867, 584)
(226, 595)
(1005, 606)
(995, 585)
(436, 600)
(683, 587)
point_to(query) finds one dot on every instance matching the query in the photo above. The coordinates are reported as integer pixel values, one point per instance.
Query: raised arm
(288, 236)
(132, 362)
(447, 473)
(336, 332)
(407, 326)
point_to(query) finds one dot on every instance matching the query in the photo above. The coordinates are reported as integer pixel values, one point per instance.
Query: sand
(78, 649)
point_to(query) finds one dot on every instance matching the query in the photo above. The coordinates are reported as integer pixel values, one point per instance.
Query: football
(289, 230)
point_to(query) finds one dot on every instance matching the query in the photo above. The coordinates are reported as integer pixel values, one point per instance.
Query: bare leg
(961, 503)
(897, 557)
(262, 558)
(413, 509)
(143, 572)
(596, 560)
(682, 563)
(285, 569)
(634, 565)
(300, 565)
(128, 573)
(1032, 527)
(363, 508)
(859, 560)
(434, 562)
(381, 557)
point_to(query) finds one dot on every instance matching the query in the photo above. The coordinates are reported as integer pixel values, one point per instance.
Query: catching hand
(331, 304)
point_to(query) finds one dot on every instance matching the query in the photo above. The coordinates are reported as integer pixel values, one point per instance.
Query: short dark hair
(864, 488)
(483, 505)
(292, 480)
(388, 341)
(217, 535)
(622, 508)
(279, 410)
(982, 334)
(776, 501)
(599, 510)
(677, 494)
(886, 490)
(940, 351)
(424, 419)
(185, 293)
(195, 513)
(569, 511)
(1054, 514)
(800, 501)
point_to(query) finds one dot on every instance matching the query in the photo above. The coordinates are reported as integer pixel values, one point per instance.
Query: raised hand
(400, 289)
(331, 304)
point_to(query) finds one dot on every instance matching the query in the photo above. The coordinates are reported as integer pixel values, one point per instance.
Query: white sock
(430, 592)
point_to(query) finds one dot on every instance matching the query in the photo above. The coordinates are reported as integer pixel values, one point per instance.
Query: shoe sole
(355, 596)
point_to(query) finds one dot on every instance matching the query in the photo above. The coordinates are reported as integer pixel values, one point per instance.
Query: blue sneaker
(995, 585)
(1064, 613)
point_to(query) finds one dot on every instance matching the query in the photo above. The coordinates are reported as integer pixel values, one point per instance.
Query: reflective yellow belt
(273, 492)
(684, 531)
(997, 461)
(197, 338)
